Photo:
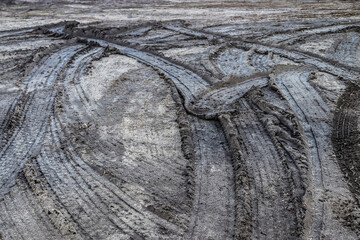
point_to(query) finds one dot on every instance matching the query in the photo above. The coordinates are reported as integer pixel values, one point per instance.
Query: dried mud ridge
(161, 131)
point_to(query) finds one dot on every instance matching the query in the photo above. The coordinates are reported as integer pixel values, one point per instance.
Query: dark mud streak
(16, 32)
(187, 142)
(318, 31)
(56, 215)
(346, 142)
(14, 117)
(24, 205)
(317, 218)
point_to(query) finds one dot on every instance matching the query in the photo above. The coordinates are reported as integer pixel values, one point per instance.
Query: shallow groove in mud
(307, 123)
(214, 193)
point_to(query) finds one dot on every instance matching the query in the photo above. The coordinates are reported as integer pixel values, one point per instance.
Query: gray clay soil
(179, 120)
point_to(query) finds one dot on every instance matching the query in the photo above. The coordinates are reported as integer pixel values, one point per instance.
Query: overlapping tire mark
(214, 200)
(187, 82)
(24, 141)
(319, 62)
(315, 141)
(266, 171)
(259, 228)
(289, 38)
(191, 85)
(312, 114)
(113, 213)
(147, 230)
(184, 80)
(251, 181)
(109, 197)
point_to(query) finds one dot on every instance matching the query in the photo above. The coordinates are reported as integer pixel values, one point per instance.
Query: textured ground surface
(179, 120)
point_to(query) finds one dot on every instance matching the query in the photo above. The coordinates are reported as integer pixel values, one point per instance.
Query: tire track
(30, 219)
(289, 38)
(346, 49)
(190, 85)
(311, 113)
(250, 172)
(345, 138)
(187, 82)
(271, 193)
(99, 153)
(221, 98)
(213, 209)
(26, 138)
(74, 88)
(239, 62)
(140, 223)
(289, 231)
(74, 191)
(12, 33)
(318, 62)
(121, 216)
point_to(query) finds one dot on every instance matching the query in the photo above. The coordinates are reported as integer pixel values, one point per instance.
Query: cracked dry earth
(164, 131)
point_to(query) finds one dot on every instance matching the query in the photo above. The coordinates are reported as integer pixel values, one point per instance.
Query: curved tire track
(214, 199)
(25, 141)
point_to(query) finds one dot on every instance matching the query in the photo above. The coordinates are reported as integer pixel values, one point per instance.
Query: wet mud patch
(140, 129)
(346, 143)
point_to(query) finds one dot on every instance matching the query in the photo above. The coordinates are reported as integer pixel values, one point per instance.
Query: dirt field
(179, 120)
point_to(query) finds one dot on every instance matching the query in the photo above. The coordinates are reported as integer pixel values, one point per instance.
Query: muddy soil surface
(181, 129)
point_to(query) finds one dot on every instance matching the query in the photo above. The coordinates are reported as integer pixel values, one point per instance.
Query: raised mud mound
(161, 131)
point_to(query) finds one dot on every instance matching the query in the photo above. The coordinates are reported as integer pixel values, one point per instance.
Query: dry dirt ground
(179, 120)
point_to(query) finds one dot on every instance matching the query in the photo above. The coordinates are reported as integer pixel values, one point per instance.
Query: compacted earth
(179, 120)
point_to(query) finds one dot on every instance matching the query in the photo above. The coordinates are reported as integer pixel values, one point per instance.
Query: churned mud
(179, 120)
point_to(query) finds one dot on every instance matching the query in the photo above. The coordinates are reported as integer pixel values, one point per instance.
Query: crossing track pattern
(162, 131)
